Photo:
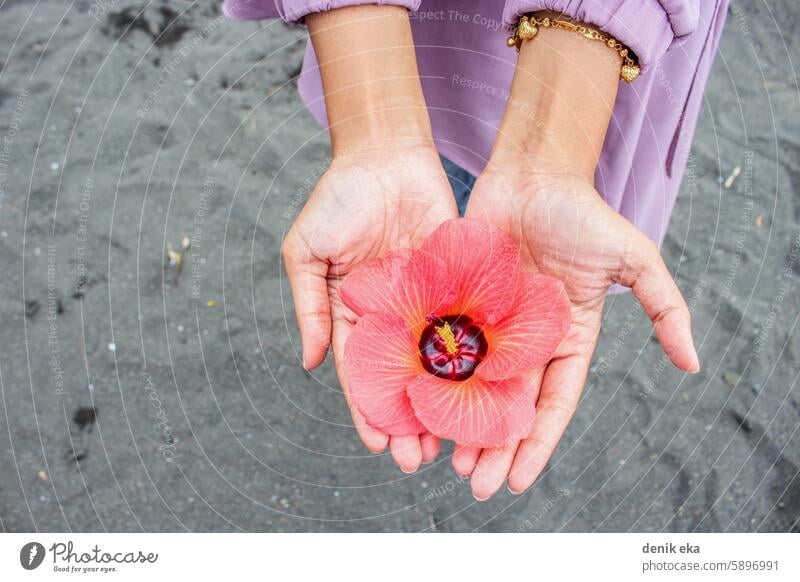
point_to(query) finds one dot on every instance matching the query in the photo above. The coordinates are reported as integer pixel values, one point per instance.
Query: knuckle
(663, 314)
(317, 315)
(564, 406)
(542, 448)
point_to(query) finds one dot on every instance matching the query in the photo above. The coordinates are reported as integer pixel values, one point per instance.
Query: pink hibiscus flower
(448, 335)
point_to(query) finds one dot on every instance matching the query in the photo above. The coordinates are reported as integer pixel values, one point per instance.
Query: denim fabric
(461, 182)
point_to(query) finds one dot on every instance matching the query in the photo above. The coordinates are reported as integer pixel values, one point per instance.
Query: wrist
(559, 106)
(369, 72)
(540, 142)
(380, 120)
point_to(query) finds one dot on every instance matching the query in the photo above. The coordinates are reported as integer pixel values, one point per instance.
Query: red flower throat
(451, 347)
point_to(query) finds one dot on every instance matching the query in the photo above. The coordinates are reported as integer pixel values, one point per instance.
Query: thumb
(654, 287)
(308, 280)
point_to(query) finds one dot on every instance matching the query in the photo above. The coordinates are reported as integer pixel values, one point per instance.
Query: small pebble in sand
(180, 329)
(91, 387)
(732, 178)
(731, 378)
(54, 166)
(37, 251)
(3, 234)
(285, 503)
(175, 259)
(42, 475)
(336, 494)
(112, 347)
(211, 303)
(760, 221)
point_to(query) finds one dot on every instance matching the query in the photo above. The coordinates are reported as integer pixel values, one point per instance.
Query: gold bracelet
(528, 27)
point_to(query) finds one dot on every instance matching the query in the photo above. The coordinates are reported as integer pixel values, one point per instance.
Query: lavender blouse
(466, 72)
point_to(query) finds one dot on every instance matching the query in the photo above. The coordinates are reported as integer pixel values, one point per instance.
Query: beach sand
(134, 399)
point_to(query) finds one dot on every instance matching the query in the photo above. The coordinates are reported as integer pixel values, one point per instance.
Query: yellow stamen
(446, 333)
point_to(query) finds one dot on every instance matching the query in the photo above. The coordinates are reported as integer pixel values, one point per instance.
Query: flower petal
(410, 284)
(380, 362)
(529, 335)
(475, 412)
(481, 261)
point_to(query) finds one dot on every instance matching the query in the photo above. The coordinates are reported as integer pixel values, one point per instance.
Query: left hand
(566, 230)
(386, 197)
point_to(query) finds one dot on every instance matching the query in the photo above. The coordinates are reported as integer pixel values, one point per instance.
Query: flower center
(451, 347)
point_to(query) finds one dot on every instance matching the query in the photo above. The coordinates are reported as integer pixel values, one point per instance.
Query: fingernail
(408, 472)
(696, 366)
(480, 498)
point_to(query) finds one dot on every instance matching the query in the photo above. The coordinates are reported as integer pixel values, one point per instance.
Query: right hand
(564, 229)
(384, 197)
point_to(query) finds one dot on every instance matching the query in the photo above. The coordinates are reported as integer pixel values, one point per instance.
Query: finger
(308, 280)
(430, 447)
(407, 452)
(465, 459)
(491, 471)
(662, 300)
(561, 391)
(375, 440)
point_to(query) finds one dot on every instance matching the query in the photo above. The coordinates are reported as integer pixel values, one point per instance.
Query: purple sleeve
(296, 10)
(648, 27)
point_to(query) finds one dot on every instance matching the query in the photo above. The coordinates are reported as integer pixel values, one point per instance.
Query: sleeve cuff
(647, 27)
(296, 10)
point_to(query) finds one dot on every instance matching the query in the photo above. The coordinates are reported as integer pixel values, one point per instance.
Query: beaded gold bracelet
(528, 27)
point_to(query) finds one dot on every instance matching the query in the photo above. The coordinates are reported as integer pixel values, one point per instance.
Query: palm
(372, 203)
(364, 206)
(565, 230)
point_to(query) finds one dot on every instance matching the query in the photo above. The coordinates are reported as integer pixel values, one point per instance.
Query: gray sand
(201, 418)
